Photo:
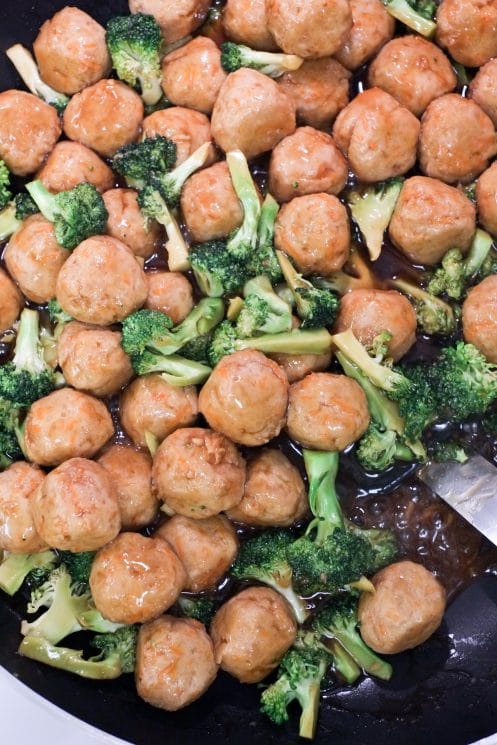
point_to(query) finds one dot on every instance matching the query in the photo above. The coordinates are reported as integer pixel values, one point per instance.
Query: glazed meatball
(34, 258)
(245, 22)
(66, 424)
(483, 89)
(486, 199)
(274, 493)
(305, 163)
(92, 359)
(369, 312)
(29, 129)
(177, 19)
(76, 508)
(405, 609)
(70, 164)
(127, 224)
(104, 116)
(479, 317)
(71, 52)
(457, 139)
(135, 579)
(206, 548)
(187, 128)
(319, 89)
(297, 366)
(314, 231)
(131, 473)
(378, 135)
(171, 293)
(267, 114)
(246, 413)
(150, 404)
(18, 534)
(327, 412)
(174, 662)
(468, 30)
(209, 204)
(309, 28)
(412, 70)
(198, 473)
(10, 302)
(246, 655)
(429, 218)
(101, 282)
(372, 27)
(192, 75)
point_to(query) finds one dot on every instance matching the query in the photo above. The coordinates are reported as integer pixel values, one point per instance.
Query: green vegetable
(263, 311)
(417, 15)
(25, 65)
(371, 210)
(17, 568)
(138, 160)
(316, 307)
(273, 64)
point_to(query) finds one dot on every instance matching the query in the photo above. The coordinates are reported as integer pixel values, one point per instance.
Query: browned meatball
(135, 579)
(71, 52)
(412, 70)
(101, 282)
(429, 218)
(297, 366)
(29, 128)
(372, 27)
(309, 28)
(378, 135)
(198, 473)
(246, 413)
(369, 312)
(10, 302)
(327, 412)
(177, 19)
(479, 317)
(457, 139)
(174, 662)
(314, 230)
(274, 493)
(34, 258)
(66, 424)
(104, 116)
(150, 404)
(206, 548)
(405, 609)
(131, 473)
(486, 199)
(468, 30)
(305, 163)
(18, 484)
(209, 204)
(171, 293)
(127, 224)
(319, 90)
(187, 128)
(76, 508)
(93, 360)
(483, 89)
(245, 22)
(252, 632)
(70, 164)
(252, 113)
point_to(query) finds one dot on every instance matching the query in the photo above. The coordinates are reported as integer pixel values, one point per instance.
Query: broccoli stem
(480, 248)
(343, 663)
(309, 717)
(8, 221)
(70, 660)
(433, 314)
(25, 65)
(265, 228)
(170, 184)
(179, 371)
(406, 14)
(15, 568)
(28, 352)
(294, 280)
(176, 246)
(322, 469)
(44, 200)
(361, 277)
(312, 341)
(273, 64)
(246, 236)
(350, 639)
(383, 377)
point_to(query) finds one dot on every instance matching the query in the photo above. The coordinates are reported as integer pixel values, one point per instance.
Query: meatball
(486, 199)
(10, 302)
(209, 204)
(468, 30)
(372, 27)
(127, 224)
(151, 405)
(369, 312)
(71, 52)
(187, 128)
(314, 230)
(457, 139)
(34, 258)
(246, 413)
(266, 116)
(171, 293)
(174, 662)
(319, 89)
(327, 412)
(177, 19)
(245, 22)
(483, 89)
(252, 632)
(70, 164)
(378, 135)
(305, 163)
(479, 317)
(274, 495)
(309, 28)
(104, 116)
(101, 282)
(135, 579)
(131, 473)
(198, 473)
(429, 218)
(412, 70)
(66, 424)
(29, 129)
(192, 75)
(405, 609)
(18, 534)
(76, 508)
(206, 548)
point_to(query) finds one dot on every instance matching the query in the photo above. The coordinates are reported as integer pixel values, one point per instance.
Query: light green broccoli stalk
(25, 65)
(372, 209)
(415, 14)
(274, 64)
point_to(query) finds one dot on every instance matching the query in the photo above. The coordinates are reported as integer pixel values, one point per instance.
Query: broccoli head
(138, 160)
(24, 205)
(263, 311)
(316, 307)
(434, 316)
(10, 449)
(5, 192)
(200, 607)
(169, 185)
(216, 271)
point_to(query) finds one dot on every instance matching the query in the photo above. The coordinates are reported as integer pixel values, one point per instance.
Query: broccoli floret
(200, 607)
(153, 206)
(242, 243)
(262, 311)
(316, 307)
(17, 568)
(25, 65)
(169, 185)
(135, 46)
(10, 434)
(415, 14)
(78, 564)
(343, 663)
(452, 277)
(25, 205)
(372, 209)
(434, 316)
(359, 275)
(56, 313)
(383, 542)
(264, 259)
(216, 271)
(379, 448)
(175, 370)
(197, 349)
(273, 64)
(5, 192)
(206, 315)
(9, 223)
(137, 161)
(449, 452)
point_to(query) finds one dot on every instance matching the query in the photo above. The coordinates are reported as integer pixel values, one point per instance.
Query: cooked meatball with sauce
(245, 22)
(479, 317)
(11, 302)
(177, 19)
(297, 366)
(170, 293)
(187, 128)
(127, 224)
(468, 30)
(372, 27)
(309, 28)
(70, 164)
(18, 484)
(483, 89)
(486, 199)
